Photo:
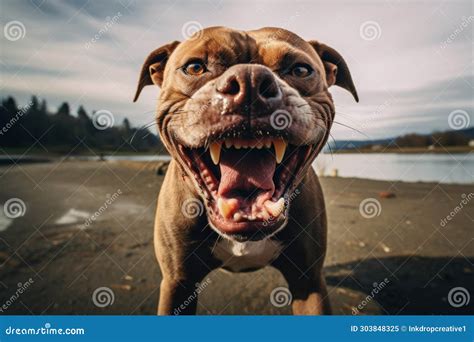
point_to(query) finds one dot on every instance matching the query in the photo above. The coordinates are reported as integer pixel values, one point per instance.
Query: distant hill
(447, 138)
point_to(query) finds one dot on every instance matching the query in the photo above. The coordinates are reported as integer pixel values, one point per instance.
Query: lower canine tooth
(227, 207)
(275, 208)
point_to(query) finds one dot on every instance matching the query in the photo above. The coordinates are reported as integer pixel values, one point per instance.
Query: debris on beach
(386, 194)
(124, 287)
(385, 248)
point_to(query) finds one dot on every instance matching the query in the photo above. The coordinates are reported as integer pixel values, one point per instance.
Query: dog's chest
(246, 256)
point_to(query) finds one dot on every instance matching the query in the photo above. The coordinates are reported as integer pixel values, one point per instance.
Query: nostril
(233, 87)
(268, 88)
(230, 86)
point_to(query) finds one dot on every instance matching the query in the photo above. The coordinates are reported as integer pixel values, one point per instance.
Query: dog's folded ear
(154, 66)
(337, 71)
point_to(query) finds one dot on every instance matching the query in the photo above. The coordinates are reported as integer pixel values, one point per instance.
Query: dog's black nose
(250, 85)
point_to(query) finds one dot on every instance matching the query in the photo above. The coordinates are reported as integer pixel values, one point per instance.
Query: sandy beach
(405, 246)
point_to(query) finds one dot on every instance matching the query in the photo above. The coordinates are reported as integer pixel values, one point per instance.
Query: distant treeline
(449, 138)
(458, 138)
(62, 131)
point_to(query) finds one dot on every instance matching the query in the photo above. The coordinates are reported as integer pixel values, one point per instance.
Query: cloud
(409, 75)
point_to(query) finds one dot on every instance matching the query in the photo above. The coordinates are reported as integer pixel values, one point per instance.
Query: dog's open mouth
(246, 182)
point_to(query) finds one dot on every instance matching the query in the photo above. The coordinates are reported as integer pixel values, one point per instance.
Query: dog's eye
(301, 70)
(194, 68)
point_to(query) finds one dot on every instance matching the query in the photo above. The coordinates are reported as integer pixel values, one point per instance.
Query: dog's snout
(266, 85)
(252, 85)
(232, 85)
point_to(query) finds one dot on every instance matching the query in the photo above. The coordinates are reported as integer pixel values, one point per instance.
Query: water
(442, 168)
(416, 167)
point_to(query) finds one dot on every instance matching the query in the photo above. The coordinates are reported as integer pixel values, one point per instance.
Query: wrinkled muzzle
(247, 138)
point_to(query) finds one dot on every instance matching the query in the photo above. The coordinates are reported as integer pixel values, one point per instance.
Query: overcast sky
(411, 61)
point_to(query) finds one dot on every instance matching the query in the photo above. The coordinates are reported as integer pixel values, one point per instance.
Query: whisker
(354, 129)
(329, 146)
(215, 243)
(339, 112)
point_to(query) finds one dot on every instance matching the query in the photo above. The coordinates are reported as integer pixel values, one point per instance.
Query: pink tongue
(246, 171)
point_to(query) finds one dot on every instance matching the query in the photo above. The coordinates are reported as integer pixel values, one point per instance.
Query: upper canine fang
(215, 151)
(280, 148)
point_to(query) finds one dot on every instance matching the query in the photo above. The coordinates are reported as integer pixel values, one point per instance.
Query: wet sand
(421, 259)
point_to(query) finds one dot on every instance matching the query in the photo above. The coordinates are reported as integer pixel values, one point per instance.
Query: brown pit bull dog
(243, 115)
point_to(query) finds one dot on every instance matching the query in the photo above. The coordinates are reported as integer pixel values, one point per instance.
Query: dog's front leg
(181, 268)
(303, 258)
(310, 297)
(308, 289)
(177, 298)
(179, 238)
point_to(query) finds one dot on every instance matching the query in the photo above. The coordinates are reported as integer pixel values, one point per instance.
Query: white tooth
(215, 150)
(268, 144)
(260, 145)
(227, 207)
(228, 143)
(265, 214)
(237, 216)
(280, 147)
(275, 208)
(237, 145)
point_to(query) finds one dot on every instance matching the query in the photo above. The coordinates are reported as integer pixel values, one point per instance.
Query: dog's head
(245, 114)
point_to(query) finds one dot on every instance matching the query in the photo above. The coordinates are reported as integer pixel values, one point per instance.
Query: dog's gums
(245, 182)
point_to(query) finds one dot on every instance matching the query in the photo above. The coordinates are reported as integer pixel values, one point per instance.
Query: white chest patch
(241, 256)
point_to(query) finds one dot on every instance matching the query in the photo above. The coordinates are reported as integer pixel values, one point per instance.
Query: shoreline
(68, 261)
(160, 165)
(406, 150)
